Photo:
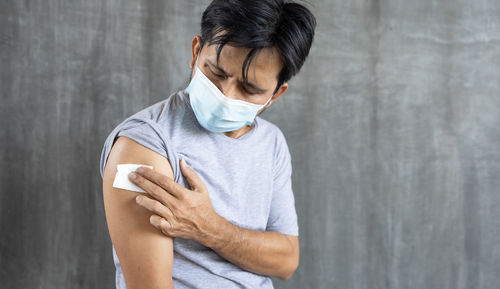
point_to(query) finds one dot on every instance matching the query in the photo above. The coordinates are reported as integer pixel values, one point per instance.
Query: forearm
(262, 252)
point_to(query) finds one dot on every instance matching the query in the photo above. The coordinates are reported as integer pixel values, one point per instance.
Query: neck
(239, 132)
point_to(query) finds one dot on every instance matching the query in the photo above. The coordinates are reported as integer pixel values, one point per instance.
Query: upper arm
(282, 214)
(145, 253)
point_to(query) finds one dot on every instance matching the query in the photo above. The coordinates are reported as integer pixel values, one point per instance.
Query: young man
(229, 219)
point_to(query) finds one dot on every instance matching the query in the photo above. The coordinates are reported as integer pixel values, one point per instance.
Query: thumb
(191, 176)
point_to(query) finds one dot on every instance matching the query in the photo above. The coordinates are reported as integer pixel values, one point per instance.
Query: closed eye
(223, 76)
(218, 75)
(248, 92)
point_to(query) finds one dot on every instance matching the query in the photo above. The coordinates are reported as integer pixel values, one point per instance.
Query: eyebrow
(249, 84)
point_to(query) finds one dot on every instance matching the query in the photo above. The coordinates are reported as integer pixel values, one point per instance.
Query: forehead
(263, 69)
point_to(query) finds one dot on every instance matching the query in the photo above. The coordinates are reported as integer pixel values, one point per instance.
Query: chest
(239, 183)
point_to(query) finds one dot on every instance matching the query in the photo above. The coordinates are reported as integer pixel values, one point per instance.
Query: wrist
(219, 233)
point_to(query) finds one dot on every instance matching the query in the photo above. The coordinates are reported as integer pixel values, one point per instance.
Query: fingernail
(154, 220)
(140, 170)
(185, 163)
(133, 176)
(138, 199)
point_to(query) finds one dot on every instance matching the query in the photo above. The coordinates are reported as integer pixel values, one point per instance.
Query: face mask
(215, 111)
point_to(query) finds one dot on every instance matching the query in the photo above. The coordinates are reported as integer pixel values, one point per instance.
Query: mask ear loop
(268, 100)
(197, 56)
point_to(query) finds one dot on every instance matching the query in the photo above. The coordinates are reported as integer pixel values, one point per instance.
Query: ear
(195, 47)
(278, 93)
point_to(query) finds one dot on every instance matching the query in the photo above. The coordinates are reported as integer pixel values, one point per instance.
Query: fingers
(162, 180)
(161, 224)
(155, 191)
(162, 218)
(154, 206)
(192, 177)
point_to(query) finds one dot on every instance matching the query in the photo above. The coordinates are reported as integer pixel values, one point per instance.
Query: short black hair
(256, 24)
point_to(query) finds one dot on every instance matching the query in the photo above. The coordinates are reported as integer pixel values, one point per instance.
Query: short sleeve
(145, 132)
(282, 215)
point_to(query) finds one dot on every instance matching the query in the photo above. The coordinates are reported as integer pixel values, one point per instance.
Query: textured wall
(393, 125)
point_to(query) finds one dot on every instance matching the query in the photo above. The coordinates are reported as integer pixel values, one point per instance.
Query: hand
(179, 212)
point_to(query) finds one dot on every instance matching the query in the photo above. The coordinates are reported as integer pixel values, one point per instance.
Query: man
(225, 216)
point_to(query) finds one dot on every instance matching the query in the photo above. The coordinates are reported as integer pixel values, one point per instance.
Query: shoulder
(281, 152)
(274, 132)
(147, 127)
(160, 111)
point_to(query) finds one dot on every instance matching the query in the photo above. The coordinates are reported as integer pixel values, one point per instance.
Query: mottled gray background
(393, 125)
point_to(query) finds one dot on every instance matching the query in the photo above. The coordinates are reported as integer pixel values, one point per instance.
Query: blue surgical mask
(215, 111)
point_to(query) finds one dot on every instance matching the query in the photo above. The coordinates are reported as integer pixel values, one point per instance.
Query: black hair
(256, 24)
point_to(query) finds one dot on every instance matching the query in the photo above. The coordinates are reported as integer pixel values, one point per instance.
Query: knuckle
(182, 197)
(166, 231)
(174, 206)
(157, 192)
(154, 191)
(180, 216)
(174, 219)
(166, 227)
(156, 206)
(163, 180)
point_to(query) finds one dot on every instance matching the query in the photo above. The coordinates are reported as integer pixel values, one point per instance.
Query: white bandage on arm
(121, 178)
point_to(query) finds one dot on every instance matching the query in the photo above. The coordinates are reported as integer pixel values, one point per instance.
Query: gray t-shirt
(248, 180)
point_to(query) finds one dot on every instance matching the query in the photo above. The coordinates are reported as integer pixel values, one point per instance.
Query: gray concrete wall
(393, 127)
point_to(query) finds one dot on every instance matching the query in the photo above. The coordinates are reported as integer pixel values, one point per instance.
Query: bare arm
(263, 252)
(145, 254)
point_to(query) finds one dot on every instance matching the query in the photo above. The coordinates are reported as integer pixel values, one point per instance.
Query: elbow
(284, 278)
(292, 258)
(289, 273)
(291, 266)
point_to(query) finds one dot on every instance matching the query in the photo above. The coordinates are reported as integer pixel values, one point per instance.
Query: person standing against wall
(217, 209)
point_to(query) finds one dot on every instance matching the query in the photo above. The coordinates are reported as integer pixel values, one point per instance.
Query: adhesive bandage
(121, 178)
